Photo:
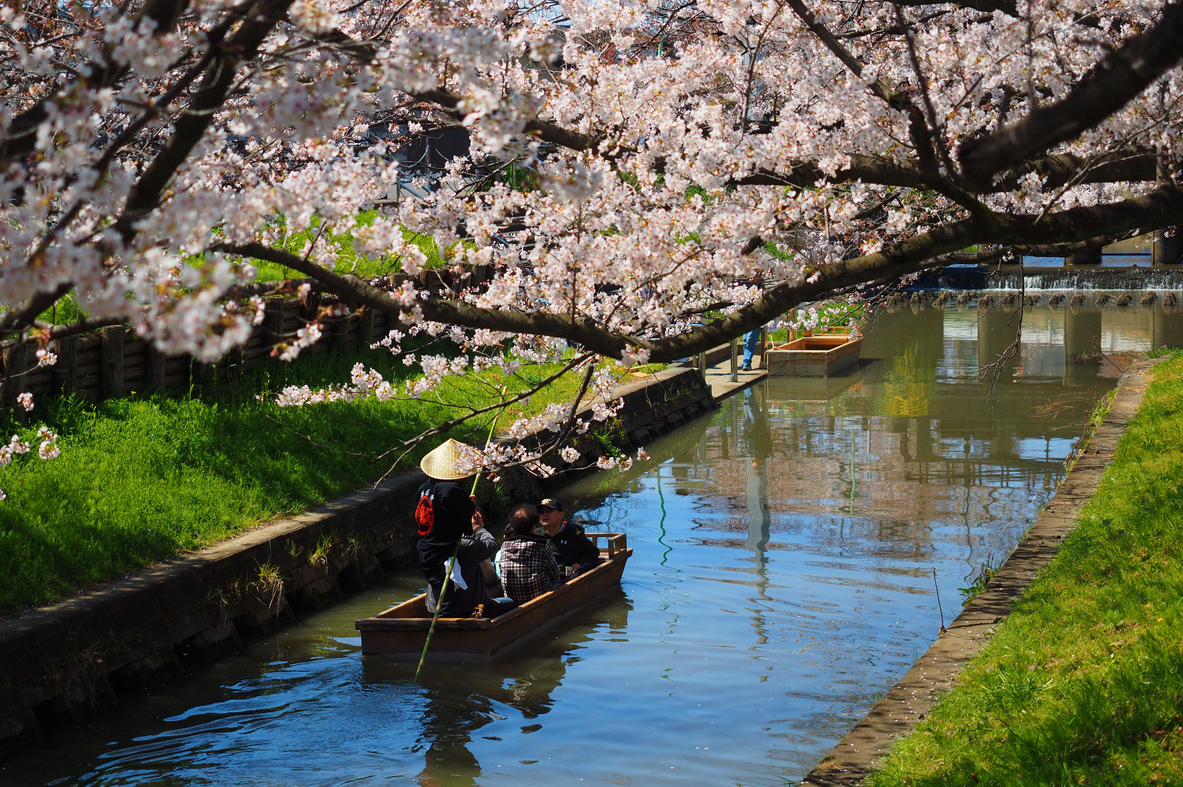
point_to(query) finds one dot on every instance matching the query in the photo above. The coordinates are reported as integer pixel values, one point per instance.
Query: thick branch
(191, 126)
(1161, 208)
(1036, 250)
(1122, 166)
(918, 129)
(85, 325)
(366, 52)
(544, 130)
(1113, 83)
(868, 169)
(22, 133)
(16, 321)
(349, 287)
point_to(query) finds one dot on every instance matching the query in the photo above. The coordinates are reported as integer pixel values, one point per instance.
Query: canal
(789, 550)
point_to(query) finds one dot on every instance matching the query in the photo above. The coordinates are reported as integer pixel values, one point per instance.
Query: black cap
(552, 503)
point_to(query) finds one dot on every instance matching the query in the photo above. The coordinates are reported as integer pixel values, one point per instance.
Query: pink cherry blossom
(626, 166)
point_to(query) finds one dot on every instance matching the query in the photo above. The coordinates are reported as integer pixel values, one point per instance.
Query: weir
(1012, 277)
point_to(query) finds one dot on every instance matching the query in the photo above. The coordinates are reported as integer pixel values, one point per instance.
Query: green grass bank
(145, 478)
(1083, 681)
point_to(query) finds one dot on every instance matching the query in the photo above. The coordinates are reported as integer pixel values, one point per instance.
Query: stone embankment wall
(61, 664)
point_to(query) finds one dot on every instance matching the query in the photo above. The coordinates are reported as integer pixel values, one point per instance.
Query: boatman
(449, 523)
(573, 551)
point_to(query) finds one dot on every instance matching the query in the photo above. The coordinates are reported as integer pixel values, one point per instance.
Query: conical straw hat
(440, 462)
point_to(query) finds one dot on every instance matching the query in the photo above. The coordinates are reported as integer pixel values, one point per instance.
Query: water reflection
(782, 578)
(1065, 344)
(450, 721)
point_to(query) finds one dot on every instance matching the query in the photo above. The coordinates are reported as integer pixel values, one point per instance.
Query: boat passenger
(528, 569)
(450, 524)
(572, 549)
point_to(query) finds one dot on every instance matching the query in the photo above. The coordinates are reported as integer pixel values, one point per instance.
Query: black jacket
(460, 602)
(444, 515)
(571, 546)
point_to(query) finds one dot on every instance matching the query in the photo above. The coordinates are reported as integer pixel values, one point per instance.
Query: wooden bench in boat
(401, 630)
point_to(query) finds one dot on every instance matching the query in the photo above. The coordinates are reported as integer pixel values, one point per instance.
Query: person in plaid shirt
(528, 569)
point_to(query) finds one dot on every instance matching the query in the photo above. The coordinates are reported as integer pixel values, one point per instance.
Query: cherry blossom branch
(1113, 83)
(917, 127)
(993, 254)
(1008, 7)
(1126, 165)
(868, 169)
(451, 101)
(20, 319)
(22, 133)
(1121, 166)
(189, 129)
(578, 329)
(753, 56)
(1161, 207)
(85, 325)
(496, 407)
(934, 127)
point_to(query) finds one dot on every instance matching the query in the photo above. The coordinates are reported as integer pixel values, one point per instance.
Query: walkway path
(718, 377)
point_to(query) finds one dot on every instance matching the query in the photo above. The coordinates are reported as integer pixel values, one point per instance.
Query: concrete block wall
(652, 406)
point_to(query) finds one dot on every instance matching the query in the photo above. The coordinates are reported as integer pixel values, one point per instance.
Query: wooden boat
(401, 630)
(814, 356)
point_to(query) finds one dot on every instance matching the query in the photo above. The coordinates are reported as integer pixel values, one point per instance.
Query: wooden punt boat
(401, 630)
(814, 356)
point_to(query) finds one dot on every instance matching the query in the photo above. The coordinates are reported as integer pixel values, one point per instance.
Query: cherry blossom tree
(630, 162)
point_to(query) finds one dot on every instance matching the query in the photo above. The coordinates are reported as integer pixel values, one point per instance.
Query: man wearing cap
(450, 524)
(570, 546)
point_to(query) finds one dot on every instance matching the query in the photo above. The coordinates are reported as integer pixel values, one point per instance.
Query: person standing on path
(752, 338)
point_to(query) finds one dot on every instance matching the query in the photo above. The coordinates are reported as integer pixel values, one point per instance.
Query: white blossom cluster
(631, 162)
(47, 449)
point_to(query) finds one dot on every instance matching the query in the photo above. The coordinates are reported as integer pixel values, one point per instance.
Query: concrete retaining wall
(61, 664)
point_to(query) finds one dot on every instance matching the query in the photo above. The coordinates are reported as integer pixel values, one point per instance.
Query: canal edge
(935, 673)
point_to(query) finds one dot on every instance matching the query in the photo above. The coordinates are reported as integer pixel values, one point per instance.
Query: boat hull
(814, 356)
(399, 632)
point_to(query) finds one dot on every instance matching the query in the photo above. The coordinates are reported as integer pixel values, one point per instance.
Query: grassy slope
(1083, 683)
(143, 478)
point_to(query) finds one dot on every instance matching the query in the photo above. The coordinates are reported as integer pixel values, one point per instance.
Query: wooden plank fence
(116, 362)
